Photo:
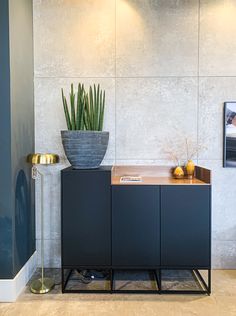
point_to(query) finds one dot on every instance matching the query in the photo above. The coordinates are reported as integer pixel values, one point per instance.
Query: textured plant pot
(85, 149)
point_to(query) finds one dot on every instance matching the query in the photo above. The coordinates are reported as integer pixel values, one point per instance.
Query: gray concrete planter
(85, 149)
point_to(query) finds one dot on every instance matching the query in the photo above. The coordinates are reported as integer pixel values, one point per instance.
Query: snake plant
(86, 108)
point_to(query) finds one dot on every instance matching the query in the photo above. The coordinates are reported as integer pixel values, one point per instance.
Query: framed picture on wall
(229, 134)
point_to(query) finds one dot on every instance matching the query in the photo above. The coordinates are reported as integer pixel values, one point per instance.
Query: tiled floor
(222, 302)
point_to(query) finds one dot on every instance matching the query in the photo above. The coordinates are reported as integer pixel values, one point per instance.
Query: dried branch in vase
(193, 148)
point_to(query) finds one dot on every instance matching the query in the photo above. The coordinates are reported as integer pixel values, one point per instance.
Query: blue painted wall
(6, 206)
(17, 219)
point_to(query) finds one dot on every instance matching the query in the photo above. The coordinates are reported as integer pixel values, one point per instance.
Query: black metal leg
(111, 279)
(62, 280)
(204, 287)
(67, 279)
(209, 282)
(156, 279)
(201, 279)
(160, 278)
(194, 274)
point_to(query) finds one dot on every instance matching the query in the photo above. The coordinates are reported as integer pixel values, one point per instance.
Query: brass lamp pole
(42, 285)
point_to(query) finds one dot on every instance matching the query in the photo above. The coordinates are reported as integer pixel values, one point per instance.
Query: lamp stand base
(37, 287)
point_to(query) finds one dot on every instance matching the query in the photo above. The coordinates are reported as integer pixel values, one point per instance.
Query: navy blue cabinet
(111, 226)
(135, 225)
(185, 226)
(86, 217)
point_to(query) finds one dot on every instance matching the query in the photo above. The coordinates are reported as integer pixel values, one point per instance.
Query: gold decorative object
(42, 159)
(178, 173)
(190, 169)
(42, 285)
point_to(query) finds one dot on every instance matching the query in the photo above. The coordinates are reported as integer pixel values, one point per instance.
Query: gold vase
(178, 173)
(190, 169)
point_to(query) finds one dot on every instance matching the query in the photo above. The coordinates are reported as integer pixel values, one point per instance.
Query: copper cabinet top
(158, 175)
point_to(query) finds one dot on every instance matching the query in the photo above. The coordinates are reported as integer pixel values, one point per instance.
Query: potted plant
(84, 142)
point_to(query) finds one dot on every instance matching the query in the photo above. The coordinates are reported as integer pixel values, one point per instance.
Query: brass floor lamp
(42, 285)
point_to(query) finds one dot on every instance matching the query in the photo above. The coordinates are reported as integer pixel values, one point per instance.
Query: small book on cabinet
(127, 178)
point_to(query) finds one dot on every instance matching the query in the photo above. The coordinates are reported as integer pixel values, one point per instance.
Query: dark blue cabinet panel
(185, 226)
(135, 225)
(86, 217)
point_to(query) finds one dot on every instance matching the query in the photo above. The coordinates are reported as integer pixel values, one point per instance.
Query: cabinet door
(86, 218)
(185, 226)
(135, 225)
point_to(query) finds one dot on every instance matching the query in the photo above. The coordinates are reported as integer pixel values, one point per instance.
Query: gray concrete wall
(167, 67)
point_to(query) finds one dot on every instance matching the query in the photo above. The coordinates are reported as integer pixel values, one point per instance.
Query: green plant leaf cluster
(86, 109)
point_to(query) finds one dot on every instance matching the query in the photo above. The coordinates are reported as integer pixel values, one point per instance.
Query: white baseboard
(10, 289)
